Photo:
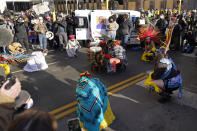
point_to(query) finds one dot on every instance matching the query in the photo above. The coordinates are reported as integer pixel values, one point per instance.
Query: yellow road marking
(120, 83)
(109, 88)
(65, 113)
(63, 107)
(125, 86)
(109, 93)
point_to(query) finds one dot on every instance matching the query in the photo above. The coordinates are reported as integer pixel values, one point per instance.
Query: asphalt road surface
(135, 109)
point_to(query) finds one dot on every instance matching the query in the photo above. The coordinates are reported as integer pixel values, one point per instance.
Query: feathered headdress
(149, 32)
(87, 74)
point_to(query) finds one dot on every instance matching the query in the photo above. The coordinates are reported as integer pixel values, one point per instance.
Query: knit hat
(72, 37)
(48, 18)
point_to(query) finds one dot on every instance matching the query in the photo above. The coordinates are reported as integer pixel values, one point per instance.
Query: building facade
(17, 5)
(63, 5)
(70, 5)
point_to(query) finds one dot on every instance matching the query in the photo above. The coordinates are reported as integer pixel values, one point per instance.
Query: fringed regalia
(166, 70)
(93, 108)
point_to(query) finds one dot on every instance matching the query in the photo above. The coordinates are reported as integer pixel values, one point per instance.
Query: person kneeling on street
(166, 76)
(72, 46)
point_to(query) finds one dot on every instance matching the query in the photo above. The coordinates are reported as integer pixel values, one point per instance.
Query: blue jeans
(112, 35)
(43, 41)
(125, 39)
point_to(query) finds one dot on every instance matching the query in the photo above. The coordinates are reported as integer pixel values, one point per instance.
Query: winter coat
(114, 26)
(49, 25)
(191, 39)
(21, 30)
(162, 25)
(125, 27)
(177, 30)
(60, 26)
(2, 24)
(6, 111)
(40, 28)
(6, 13)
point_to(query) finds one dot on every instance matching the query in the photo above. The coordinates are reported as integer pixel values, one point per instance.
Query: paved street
(53, 90)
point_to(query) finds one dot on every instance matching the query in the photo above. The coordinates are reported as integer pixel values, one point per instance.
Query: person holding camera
(21, 29)
(7, 102)
(60, 27)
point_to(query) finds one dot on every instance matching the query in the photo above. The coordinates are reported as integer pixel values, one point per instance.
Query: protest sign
(99, 21)
(41, 8)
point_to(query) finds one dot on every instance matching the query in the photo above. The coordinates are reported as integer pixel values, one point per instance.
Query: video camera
(20, 20)
(11, 78)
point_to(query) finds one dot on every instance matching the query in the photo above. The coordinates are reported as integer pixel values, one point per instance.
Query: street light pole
(77, 4)
(67, 7)
(107, 1)
(13, 5)
(180, 2)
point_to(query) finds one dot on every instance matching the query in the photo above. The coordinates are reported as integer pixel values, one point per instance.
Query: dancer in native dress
(93, 107)
(165, 78)
(148, 35)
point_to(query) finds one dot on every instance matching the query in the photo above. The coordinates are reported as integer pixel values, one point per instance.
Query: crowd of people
(184, 35)
(28, 28)
(26, 25)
